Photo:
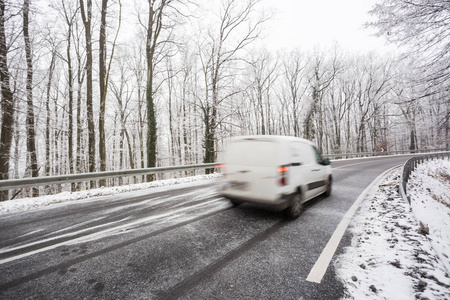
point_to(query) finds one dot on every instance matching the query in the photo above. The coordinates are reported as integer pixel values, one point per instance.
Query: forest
(96, 85)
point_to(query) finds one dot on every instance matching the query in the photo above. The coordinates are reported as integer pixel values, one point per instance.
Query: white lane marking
(73, 226)
(9, 249)
(103, 232)
(31, 233)
(320, 267)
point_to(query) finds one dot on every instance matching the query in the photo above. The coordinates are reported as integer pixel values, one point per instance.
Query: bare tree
(31, 136)
(123, 94)
(409, 109)
(340, 101)
(69, 16)
(156, 10)
(104, 80)
(263, 73)
(135, 62)
(103, 89)
(323, 73)
(221, 51)
(295, 68)
(372, 86)
(80, 76)
(51, 71)
(7, 103)
(424, 27)
(86, 15)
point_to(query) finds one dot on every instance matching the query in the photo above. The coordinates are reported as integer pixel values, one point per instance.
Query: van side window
(319, 158)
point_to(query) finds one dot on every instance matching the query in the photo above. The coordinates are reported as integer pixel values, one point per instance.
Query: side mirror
(326, 161)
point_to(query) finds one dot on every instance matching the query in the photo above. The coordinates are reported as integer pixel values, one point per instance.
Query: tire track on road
(123, 217)
(95, 205)
(92, 232)
(208, 272)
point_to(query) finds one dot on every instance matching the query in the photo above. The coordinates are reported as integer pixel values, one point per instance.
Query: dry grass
(438, 199)
(445, 176)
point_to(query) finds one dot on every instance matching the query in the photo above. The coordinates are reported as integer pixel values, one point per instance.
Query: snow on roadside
(429, 189)
(391, 256)
(26, 204)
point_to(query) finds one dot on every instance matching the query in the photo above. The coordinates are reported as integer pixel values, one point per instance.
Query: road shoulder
(390, 257)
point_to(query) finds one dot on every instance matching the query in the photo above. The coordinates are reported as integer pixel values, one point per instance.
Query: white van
(277, 172)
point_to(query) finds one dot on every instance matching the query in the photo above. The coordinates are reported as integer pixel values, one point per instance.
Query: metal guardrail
(58, 180)
(63, 179)
(411, 165)
(380, 153)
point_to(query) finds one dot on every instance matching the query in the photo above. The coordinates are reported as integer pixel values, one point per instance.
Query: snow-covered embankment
(400, 251)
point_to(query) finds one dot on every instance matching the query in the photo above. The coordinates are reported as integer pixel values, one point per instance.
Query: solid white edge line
(320, 267)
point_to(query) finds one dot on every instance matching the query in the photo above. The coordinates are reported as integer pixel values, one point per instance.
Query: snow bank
(25, 204)
(391, 257)
(429, 189)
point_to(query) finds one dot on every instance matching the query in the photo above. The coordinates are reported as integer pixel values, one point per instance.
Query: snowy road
(182, 243)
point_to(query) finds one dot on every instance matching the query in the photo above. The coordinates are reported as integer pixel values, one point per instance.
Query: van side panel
(302, 159)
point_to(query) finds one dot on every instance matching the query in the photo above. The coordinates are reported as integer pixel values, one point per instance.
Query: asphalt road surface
(185, 243)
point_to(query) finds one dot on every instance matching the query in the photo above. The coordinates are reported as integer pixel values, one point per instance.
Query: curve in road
(187, 243)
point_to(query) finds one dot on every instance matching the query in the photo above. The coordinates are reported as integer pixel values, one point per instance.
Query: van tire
(329, 187)
(235, 202)
(296, 207)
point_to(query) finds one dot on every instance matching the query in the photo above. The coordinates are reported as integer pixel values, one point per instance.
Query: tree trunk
(7, 105)
(47, 121)
(48, 117)
(130, 149)
(102, 83)
(141, 131)
(79, 151)
(447, 127)
(89, 106)
(210, 134)
(153, 30)
(151, 123)
(412, 140)
(70, 133)
(31, 136)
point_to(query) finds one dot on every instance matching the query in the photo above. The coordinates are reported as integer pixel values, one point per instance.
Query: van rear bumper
(279, 204)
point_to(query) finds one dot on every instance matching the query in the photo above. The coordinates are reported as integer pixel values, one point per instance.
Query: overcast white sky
(307, 23)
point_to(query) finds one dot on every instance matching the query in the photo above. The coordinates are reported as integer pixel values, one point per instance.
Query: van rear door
(251, 170)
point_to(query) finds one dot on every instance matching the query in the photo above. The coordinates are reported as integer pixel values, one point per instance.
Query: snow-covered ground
(401, 251)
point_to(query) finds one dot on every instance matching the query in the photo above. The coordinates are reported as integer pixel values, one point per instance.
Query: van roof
(273, 138)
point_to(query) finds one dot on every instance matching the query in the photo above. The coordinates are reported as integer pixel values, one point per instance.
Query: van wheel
(328, 190)
(235, 202)
(296, 207)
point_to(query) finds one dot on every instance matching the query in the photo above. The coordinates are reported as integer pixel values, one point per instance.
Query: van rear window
(252, 153)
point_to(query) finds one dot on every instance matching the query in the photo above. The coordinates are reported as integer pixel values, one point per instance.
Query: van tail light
(220, 168)
(283, 171)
